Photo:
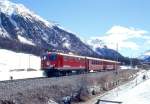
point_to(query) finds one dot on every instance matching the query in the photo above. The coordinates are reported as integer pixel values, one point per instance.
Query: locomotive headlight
(47, 63)
(44, 58)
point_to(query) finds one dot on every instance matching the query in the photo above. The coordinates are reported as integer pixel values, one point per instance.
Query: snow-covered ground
(134, 92)
(16, 65)
(20, 75)
(127, 67)
(138, 95)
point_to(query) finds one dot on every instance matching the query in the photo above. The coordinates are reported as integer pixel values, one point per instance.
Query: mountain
(145, 57)
(100, 48)
(23, 30)
(109, 53)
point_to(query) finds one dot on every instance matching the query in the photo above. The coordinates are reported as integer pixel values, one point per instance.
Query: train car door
(87, 64)
(60, 61)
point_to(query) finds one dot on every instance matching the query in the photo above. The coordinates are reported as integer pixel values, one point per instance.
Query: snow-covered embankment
(15, 65)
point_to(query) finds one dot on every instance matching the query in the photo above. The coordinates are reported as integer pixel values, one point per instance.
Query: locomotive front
(48, 61)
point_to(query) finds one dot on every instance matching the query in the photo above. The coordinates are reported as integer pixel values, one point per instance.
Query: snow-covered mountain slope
(19, 25)
(145, 57)
(110, 53)
(95, 43)
(100, 48)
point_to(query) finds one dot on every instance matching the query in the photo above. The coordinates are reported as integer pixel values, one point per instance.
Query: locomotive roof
(91, 58)
(73, 55)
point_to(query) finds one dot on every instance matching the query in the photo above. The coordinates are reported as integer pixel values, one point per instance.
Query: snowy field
(134, 92)
(16, 65)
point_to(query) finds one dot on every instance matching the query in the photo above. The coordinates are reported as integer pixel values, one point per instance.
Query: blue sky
(126, 20)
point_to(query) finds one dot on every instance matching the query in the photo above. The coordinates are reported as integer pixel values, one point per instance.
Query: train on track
(58, 64)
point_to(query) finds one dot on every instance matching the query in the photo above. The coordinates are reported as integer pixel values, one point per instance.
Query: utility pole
(29, 61)
(20, 63)
(131, 61)
(116, 58)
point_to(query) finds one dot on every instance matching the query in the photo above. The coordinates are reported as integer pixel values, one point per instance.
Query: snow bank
(10, 60)
(16, 65)
(134, 92)
(20, 75)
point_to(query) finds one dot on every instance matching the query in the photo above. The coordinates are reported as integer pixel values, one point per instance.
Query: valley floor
(76, 87)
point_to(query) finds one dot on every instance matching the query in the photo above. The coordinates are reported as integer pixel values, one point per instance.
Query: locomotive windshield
(52, 57)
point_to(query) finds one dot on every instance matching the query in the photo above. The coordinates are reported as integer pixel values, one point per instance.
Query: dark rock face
(8, 26)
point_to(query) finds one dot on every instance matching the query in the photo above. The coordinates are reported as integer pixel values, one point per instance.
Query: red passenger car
(110, 65)
(94, 64)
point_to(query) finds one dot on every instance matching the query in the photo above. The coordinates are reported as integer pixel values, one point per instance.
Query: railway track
(60, 77)
(40, 78)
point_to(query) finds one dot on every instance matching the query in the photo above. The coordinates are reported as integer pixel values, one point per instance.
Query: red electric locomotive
(56, 64)
(60, 64)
